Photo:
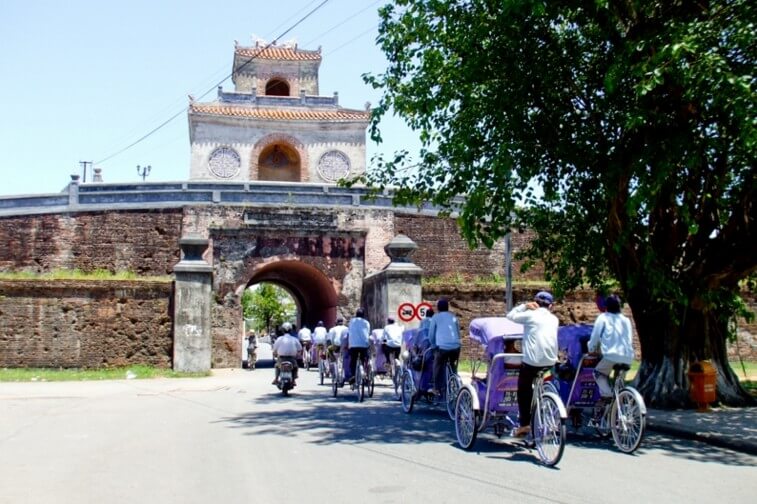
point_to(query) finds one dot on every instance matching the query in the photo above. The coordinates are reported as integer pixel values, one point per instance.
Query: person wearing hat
(539, 350)
(444, 336)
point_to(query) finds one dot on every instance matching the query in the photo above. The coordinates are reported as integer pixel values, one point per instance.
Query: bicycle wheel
(454, 384)
(548, 431)
(360, 382)
(628, 420)
(371, 382)
(396, 379)
(321, 371)
(334, 379)
(466, 421)
(407, 392)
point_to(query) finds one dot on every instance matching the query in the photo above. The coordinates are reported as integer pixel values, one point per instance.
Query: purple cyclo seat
(573, 339)
(485, 329)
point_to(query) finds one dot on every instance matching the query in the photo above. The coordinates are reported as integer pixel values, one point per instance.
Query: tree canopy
(623, 134)
(268, 306)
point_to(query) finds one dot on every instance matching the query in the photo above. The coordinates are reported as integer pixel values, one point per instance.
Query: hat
(544, 297)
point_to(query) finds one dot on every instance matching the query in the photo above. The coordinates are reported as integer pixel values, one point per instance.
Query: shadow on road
(344, 420)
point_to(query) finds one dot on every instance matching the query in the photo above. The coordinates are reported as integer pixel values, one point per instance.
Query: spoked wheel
(334, 380)
(454, 384)
(628, 420)
(359, 383)
(407, 392)
(466, 421)
(548, 430)
(396, 379)
(371, 383)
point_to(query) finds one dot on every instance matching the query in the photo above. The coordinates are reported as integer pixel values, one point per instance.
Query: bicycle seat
(621, 367)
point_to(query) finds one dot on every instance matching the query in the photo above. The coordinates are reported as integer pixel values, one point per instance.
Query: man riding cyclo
(539, 350)
(286, 348)
(306, 339)
(391, 342)
(359, 332)
(334, 338)
(320, 335)
(444, 337)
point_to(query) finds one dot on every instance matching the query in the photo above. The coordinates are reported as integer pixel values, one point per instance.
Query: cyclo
(624, 415)
(492, 400)
(380, 367)
(318, 355)
(417, 378)
(340, 374)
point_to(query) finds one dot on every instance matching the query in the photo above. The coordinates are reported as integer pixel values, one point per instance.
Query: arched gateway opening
(312, 291)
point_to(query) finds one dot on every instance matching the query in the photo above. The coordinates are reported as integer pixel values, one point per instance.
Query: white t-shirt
(539, 334)
(304, 334)
(336, 334)
(287, 346)
(319, 335)
(393, 335)
(613, 336)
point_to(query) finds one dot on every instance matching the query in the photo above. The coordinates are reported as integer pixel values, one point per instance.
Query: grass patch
(77, 274)
(456, 279)
(121, 373)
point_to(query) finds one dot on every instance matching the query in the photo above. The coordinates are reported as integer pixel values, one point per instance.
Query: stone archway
(313, 292)
(279, 157)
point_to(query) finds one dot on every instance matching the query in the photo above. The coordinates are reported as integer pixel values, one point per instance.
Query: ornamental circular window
(333, 165)
(224, 162)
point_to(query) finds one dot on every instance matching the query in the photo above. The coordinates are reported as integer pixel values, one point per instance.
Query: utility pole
(84, 169)
(508, 274)
(143, 172)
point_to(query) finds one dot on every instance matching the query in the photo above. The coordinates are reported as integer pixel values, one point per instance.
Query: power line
(183, 110)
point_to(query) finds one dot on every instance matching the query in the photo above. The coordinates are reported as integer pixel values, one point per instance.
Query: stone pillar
(396, 285)
(192, 341)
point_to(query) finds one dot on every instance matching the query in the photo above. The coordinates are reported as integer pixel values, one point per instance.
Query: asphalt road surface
(234, 438)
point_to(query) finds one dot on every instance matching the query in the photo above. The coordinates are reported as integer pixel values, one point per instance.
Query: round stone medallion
(224, 162)
(333, 165)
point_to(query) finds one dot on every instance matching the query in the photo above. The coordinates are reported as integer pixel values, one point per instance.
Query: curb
(705, 437)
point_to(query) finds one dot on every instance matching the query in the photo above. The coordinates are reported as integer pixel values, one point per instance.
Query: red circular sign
(406, 312)
(420, 310)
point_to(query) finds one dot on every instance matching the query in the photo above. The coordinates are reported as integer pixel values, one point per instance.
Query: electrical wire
(183, 110)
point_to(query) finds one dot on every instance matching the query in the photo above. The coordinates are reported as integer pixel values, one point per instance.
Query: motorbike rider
(286, 349)
(539, 347)
(359, 332)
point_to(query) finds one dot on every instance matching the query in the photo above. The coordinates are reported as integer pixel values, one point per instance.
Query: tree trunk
(672, 338)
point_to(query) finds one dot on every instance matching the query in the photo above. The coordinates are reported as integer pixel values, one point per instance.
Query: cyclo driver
(286, 349)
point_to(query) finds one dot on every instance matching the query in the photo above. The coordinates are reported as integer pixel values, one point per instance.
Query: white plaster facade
(229, 136)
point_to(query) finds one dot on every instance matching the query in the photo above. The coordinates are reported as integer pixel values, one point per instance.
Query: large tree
(622, 133)
(268, 306)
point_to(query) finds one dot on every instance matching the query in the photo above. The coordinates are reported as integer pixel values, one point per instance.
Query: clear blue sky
(82, 79)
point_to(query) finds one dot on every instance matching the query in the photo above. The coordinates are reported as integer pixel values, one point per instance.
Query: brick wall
(145, 242)
(85, 324)
(442, 250)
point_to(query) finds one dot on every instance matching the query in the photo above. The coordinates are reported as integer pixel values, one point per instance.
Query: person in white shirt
(391, 341)
(612, 336)
(335, 336)
(359, 332)
(320, 334)
(286, 348)
(539, 347)
(444, 336)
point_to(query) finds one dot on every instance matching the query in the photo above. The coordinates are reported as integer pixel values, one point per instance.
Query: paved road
(233, 438)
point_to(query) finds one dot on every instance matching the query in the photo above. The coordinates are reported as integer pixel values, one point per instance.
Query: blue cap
(544, 297)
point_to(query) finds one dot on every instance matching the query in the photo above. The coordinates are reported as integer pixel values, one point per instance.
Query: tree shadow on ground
(344, 420)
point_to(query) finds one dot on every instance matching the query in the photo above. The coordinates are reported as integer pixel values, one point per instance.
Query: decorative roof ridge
(286, 51)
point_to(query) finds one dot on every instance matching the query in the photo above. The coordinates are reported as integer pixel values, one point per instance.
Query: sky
(83, 79)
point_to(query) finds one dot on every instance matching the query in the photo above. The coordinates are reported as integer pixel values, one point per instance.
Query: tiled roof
(278, 53)
(278, 114)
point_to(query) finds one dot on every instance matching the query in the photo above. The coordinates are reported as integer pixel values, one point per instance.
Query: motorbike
(286, 377)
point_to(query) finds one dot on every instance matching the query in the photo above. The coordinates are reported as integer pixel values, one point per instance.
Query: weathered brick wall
(578, 308)
(145, 242)
(85, 324)
(442, 250)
